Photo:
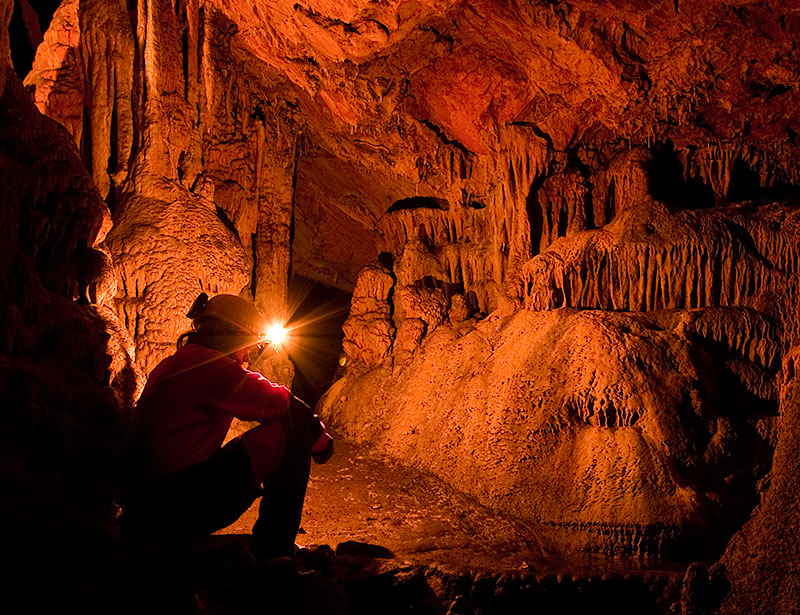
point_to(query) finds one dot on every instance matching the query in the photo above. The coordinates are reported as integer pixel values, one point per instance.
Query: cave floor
(382, 537)
(417, 520)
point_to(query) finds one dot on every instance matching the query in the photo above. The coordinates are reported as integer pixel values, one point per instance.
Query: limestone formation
(762, 560)
(651, 259)
(369, 330)
(608, 425)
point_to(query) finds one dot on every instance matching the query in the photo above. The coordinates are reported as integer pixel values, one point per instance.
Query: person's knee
(266, 445)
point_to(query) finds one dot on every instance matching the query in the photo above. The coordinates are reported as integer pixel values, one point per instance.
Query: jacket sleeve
(249, 396)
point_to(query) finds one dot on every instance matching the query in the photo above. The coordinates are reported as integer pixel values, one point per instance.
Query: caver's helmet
(238, 316)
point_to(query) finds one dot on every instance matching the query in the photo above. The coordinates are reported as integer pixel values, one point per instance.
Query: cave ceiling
(401, 99)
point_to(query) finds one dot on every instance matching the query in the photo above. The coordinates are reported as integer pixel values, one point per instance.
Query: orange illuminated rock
(606, 425)
(762, 561)
(369, 330)
(649, 258)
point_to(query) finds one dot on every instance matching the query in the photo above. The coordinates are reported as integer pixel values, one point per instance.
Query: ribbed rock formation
(651, 259)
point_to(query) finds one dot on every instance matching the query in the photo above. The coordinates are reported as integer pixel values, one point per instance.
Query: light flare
(276, 334)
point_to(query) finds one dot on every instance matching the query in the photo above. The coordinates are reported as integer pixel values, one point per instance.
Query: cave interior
(542, 257)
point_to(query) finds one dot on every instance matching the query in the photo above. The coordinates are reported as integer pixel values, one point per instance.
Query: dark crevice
(746, 185)
(538, 132)
(386, 260)
(668, 184)
(318, 313)
(419, 202)
(254, 254)
(22, 41)
(86, 140)
(563, 221)
(440, 133)
(535, 215)
(25, 32)
(223, 216)
(113, 156)
(610, 205)
(778, 90)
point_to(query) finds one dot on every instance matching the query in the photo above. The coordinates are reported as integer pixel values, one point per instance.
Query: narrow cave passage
(317, 314)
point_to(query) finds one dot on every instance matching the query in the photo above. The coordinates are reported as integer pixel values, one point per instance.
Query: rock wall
(635, 433)
(57, 377)
(635, 414)
(67, 377)
(762, 560)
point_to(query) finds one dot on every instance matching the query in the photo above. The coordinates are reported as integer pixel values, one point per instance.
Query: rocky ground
(380, 537)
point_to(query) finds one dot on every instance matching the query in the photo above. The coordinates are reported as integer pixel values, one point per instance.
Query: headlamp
(275, 335)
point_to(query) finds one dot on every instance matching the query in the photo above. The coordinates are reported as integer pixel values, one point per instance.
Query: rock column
(275, 166)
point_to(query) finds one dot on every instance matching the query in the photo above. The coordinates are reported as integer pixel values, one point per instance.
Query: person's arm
(248, 395)
(321, 440)
(322, 449)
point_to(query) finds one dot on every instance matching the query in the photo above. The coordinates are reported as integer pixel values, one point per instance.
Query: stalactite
(628, 172)
(562, 204)
(523, 156)
(705, 265)
(712, 164)
(747, 333)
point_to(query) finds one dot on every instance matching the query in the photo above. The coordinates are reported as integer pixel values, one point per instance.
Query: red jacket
(188, 404)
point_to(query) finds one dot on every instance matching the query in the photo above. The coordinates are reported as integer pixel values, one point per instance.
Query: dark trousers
(181, 508)
(281, 507)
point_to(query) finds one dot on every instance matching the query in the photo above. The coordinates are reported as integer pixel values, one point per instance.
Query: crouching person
(182, 484)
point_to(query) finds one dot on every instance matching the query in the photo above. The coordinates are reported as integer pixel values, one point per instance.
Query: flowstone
(609, 425)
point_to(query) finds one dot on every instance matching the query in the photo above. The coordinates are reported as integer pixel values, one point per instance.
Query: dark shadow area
(733, 454)
(317, 315)
(419, 202)
(386, 260)
(535, 215)
(223, 217)
(225, 579)
(26, 30)
(668, 184)
(23, 42)
(610, 204)
(746, 186)
(363, 549)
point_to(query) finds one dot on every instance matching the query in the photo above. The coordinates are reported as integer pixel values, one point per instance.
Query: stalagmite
(369, 330)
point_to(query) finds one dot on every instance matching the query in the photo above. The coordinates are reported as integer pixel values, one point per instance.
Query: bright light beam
(276, 334)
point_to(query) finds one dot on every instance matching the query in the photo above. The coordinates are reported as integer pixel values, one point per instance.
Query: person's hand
(322, 449)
